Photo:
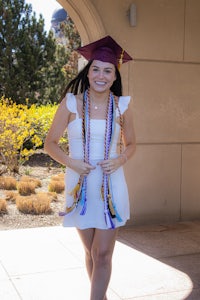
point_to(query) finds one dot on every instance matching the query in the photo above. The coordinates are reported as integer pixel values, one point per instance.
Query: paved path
(159, 262)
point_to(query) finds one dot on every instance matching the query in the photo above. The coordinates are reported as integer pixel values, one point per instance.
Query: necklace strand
(99, 105)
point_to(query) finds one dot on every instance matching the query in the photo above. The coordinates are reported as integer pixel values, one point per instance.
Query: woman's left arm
(129, 139)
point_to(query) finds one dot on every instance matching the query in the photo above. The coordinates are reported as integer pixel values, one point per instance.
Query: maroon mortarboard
(106, 50)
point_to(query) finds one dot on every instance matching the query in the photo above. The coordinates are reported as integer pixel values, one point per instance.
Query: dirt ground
(40, 166)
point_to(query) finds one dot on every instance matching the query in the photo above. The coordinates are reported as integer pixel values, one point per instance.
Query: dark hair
(80, 83)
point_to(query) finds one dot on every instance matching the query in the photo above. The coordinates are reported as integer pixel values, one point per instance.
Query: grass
(11, 196)
(23, 194)
(34, 204)
(3, 206)
(51, 195)
(36, 181)
(57, 184)
(59, 177)
(8, 183)
(26, 188)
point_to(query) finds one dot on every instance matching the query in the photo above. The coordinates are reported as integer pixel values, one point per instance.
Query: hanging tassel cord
(108, 138)
(86, 150)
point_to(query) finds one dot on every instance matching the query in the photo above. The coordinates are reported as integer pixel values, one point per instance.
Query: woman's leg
(98, 245)
(87, 236)
(101, 252)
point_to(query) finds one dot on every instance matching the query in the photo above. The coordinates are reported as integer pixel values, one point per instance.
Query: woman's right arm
(56, 130)
(51, 144)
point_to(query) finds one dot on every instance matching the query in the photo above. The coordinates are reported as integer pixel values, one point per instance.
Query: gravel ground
(41, 167)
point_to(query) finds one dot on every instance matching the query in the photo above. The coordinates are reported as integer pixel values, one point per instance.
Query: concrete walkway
(150, 263)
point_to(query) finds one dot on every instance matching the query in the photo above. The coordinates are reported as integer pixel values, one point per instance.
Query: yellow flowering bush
(41, 118)
(22, 130)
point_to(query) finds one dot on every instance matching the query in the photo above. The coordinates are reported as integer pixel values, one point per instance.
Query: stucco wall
(164, 81)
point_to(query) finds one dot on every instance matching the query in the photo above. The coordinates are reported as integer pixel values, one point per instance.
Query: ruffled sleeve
(123, 104)
(71, 103)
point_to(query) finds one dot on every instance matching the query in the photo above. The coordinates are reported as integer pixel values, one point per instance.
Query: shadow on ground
(176, 245)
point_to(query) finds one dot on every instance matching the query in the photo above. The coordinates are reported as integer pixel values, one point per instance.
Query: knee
(101, 256)
(88, 255)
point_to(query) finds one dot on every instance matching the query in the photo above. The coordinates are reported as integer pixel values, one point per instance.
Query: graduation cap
(106, 50)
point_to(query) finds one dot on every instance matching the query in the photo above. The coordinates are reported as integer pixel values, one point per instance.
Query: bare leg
(102, 250)
(98, 245)
(87, 236)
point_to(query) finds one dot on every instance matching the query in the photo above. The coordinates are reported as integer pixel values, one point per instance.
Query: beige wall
(164, 81)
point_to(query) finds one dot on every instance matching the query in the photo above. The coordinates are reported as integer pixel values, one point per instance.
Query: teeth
(100, 82)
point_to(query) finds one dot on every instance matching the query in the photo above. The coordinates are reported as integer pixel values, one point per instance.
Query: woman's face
(101, 76)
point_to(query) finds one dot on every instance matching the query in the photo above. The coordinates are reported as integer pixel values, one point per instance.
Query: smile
(100, 82)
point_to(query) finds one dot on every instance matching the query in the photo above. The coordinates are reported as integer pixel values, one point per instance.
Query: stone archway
(86, 18)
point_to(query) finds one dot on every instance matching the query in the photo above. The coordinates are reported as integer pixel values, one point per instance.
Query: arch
(86, 18)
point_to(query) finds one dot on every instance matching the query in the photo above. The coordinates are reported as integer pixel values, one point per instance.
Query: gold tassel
(69, 209)
(75, 193)
(75, 190)
(110, 204)
(102, 192)
(121, 59)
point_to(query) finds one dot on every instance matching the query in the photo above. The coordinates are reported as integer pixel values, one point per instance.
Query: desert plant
(26, 188)
(56, 186)
(34, 204)
(36, 181)
(59, 177)
(57, 183)
(11, 196)
(3, 206)
(51, 195)
(8, 183)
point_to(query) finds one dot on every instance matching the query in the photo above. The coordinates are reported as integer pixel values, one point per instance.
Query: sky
(45, 8)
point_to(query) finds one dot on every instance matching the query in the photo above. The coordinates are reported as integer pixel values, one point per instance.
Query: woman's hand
(80, 166)
(111, 165)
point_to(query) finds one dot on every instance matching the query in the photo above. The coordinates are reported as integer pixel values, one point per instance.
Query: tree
(33, 64)
(67, 40)
(66, 59)
(29, 64)
(73, 42)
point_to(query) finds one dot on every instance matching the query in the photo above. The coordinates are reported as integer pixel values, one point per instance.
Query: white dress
(94, 216)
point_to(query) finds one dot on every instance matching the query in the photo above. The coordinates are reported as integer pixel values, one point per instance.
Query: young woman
(96, 117)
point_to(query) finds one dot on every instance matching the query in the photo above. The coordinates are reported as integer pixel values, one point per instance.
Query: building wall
(164, 82)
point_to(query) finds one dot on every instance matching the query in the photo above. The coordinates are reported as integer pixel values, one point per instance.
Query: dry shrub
(34, 204)
(3, 206)
(8, 183)
(11, 196)
(26, 188)
(51, 195)
(56, 186)
(36, 181)
(57, 183)
(59, 177)
(1, 182)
